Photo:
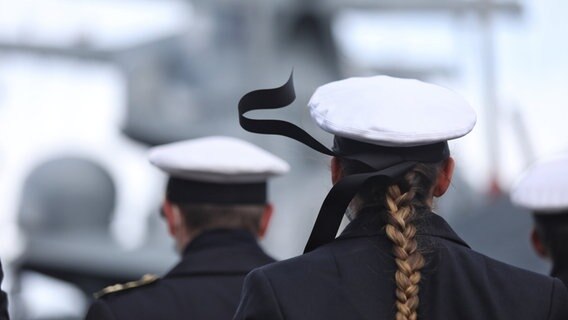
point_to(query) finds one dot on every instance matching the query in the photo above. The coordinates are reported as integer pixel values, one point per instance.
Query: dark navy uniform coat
(206, 284)
(3, 299)
(561, 273)
(353, 278)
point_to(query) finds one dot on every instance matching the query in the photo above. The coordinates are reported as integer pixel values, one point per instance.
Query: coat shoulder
(146, 280)
(318, 266)
(460, 269)
(497, 269)
(319, 259)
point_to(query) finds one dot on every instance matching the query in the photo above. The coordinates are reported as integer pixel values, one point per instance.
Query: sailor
(216, 208)
(3, 299)
(397, 259)
(543, 190)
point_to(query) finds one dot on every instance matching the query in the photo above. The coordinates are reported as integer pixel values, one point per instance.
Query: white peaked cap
(217, 159)
(543, 187)
(391, 112)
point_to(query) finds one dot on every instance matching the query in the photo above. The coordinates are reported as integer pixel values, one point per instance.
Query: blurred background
(87, 86)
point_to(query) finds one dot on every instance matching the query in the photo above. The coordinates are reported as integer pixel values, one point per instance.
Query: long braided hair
(402, 200)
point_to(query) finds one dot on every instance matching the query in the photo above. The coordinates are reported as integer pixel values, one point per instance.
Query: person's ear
(444, 177)
(538, 245)
(265, 220)
(336, 170)
(172, 216)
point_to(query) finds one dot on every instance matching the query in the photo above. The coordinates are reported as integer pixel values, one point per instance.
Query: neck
(183, 239)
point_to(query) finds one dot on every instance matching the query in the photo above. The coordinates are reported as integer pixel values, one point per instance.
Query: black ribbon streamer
(275, 99)
(389, 163)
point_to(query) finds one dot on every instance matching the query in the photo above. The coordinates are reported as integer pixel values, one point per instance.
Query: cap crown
(544, 186)
(217, 159)
(391, 111)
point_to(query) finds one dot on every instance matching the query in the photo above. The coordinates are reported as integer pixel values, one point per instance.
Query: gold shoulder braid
(146, 279)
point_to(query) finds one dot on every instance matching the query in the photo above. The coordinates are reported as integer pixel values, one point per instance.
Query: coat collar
(370, 222)
(360, 265)
(220, 251)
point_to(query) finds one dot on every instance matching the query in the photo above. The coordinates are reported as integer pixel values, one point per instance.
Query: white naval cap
(391, 112)
(543, 188)
(217, 159)
(216, 170)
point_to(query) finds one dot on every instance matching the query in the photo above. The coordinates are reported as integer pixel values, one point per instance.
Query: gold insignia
(146, 279)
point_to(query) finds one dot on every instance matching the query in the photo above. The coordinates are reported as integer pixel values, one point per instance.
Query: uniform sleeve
(100, 310)
(258, 299)
(559, 301)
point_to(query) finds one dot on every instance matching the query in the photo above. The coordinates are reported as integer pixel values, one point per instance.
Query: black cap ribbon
(387, 162)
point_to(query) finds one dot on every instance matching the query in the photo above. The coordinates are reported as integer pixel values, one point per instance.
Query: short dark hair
(200, 217)
(553, 230)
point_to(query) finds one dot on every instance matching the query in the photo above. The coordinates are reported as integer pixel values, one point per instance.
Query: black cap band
(197, 192)
(384, 162)
(380, 157)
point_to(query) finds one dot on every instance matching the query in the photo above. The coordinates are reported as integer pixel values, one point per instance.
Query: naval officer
(3, 299)
(216, 208)
(397, 259)
(543, 190)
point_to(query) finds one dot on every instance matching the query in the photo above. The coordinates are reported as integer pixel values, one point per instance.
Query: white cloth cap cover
(543, 188)
(390, 111)
(217, 159)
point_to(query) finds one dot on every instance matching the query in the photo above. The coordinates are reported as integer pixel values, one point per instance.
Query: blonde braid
(401, 209)
(409, 260)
